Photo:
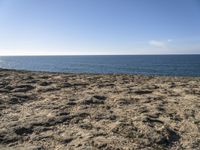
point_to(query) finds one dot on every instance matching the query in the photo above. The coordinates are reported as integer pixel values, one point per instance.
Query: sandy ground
(93, 111)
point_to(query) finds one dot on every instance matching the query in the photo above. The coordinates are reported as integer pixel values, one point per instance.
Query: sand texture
(46, 111)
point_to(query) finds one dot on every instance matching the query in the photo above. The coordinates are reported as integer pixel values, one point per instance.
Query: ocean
(167, 65)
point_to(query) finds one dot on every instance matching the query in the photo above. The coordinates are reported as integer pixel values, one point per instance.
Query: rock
(86, 126)
(67, 140)
(20, 98)
(45, 83)
(168, 137)
(97, 99)
(113, 117)
(23, 88)
(14, 100)
(63, 113)
(9, 88)
(23, 130)
(57, 120)
(71, 103)
(140, 92)
(106, 85)
(82, 114)
(105, 117)
(66, 85)
(152, 120)
(173, 85)
(123, 101)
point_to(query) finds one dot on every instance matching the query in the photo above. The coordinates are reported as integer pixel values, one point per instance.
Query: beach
(43, 110)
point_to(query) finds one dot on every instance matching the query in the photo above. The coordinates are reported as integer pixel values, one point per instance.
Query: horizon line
(99, 54)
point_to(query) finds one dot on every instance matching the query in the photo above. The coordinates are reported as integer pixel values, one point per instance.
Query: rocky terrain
(47, 111)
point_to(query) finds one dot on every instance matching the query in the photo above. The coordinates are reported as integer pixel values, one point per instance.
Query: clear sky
(78, 27)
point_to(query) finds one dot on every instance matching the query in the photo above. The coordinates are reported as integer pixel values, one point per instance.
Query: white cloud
(169, 40)
(160, 44)
(156, 43)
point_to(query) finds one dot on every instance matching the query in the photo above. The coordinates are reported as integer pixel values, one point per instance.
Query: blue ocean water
(172, 65)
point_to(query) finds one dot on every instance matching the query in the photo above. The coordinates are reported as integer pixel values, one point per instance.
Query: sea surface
(168, 65)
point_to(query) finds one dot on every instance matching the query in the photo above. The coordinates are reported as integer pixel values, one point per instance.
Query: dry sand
(93, 111)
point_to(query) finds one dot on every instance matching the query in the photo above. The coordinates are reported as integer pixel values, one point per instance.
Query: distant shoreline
(90, 73)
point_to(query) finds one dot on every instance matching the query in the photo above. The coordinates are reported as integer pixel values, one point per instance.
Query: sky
(99, 27)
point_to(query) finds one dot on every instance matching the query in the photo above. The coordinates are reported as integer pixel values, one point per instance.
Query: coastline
(93, 73)
(49, 110)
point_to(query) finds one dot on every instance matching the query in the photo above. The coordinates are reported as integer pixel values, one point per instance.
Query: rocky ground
(93, 111)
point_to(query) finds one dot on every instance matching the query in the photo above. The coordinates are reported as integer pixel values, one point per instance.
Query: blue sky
(82, 27)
